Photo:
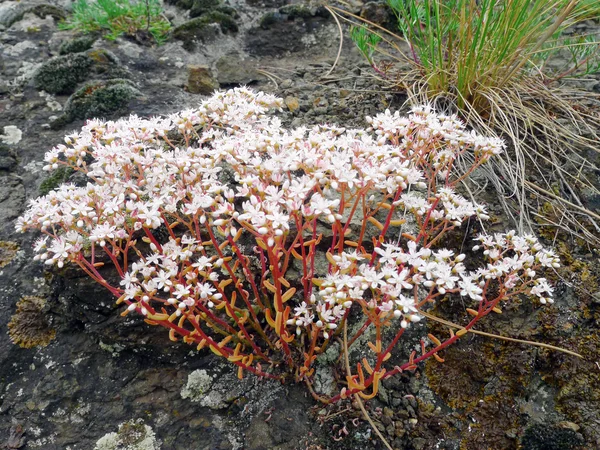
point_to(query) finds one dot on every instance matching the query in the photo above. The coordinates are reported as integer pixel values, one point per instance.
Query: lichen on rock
(29, 326)
(132, 435)
(199, 382)
(8, 251)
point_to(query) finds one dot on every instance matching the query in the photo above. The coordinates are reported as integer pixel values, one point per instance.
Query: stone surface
(232, 70)
(201, 80)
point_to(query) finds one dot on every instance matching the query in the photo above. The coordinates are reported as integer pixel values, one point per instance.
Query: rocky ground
(100, 374)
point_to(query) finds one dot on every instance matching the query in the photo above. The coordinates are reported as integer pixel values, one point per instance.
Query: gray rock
(233, 69)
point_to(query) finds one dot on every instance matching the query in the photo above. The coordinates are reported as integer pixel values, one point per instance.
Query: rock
(12, 200)
(232, 69)
(11, 12)
(106, 64)
(381, 14)
(419, 443)
(45, 10)
(8, 158)
(320, 105)
(292, 103)
(14, 11)
(98, 99)
(202, 29)
(569, 426)
(201, 80)
(288, 30)
(596, 298)
(77, 45)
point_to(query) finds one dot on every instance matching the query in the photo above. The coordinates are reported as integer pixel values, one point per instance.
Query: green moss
(58, 177)
(296, 11)
(77, 45)
(200, 7)
(269, 19)
(60, 75)
(100, 99)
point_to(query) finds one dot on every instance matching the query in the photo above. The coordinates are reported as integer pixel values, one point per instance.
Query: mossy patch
(297, 11)
(200, 7)
(58, 177)
(60, 75)
(77, 45)
(543, 437)
(29, 326)
(98, 99)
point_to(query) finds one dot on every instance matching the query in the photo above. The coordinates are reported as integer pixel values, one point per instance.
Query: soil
(99, 370)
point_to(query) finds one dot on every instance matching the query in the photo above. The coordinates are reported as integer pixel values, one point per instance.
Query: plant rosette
(260, 243)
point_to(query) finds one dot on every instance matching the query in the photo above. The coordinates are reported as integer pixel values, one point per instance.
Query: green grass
(464, 47)
(118, 17)
(506, 67)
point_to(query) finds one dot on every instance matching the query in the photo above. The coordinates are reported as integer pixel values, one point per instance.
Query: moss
(58, 177)
(8, 250)
(29, 327)
(200, 7)
(198, 28)
(269, 19)
(42, 11)
(77, 45)
(543, 437)
(481, 378)
(296, 11)
(60, 75)
(228, 10)
(98, 99)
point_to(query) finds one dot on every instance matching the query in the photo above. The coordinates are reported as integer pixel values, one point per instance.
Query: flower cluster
(256, 241)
